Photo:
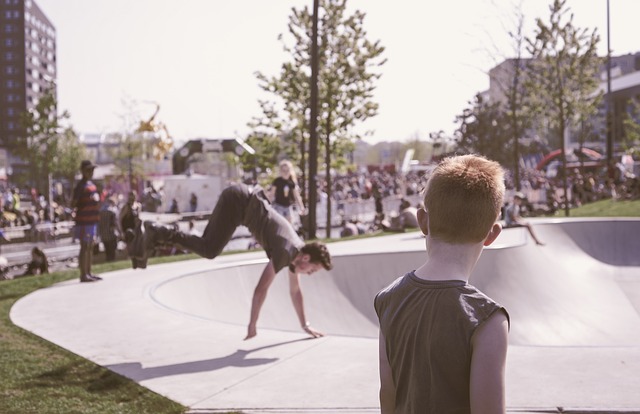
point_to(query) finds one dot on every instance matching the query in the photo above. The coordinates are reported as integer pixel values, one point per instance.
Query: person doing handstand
(240, 205)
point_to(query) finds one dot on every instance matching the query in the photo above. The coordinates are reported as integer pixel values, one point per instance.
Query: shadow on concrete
(137, 372)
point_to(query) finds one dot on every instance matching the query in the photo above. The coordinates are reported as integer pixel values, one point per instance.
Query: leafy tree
(346, 81)
(562, 75)
(130, 148)
(421, 148)
(38, 146)
(631, 125)
(70, 152)
(484, 129)
(127, 151)
(515, 106)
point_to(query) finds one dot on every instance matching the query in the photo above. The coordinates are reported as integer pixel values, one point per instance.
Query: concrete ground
(178, 328)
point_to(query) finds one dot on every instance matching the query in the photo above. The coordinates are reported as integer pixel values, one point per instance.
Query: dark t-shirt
(284, 191)
(428, 327)
(276, 235)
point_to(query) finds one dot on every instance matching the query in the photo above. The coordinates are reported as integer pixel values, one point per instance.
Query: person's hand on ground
(308, 329)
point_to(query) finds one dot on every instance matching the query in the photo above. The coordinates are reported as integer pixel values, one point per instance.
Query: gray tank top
(428, 328)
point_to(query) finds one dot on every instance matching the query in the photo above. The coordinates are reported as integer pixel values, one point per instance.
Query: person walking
(86, 205)
(250, 207)
(443, 343)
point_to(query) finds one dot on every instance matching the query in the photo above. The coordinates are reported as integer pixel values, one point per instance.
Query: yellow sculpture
(163, 142)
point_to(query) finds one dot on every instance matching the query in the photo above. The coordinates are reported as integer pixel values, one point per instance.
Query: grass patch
(40, 377)
(606, 208)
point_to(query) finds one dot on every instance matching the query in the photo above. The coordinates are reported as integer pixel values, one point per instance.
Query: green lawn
(39, 377)
(606, 208)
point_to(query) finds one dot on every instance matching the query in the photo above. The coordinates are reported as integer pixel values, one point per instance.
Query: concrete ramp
(581, 289)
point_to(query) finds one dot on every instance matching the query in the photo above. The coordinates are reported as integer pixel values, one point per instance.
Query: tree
(346, 81)
(131, 148)
(562, 75)
(484, 129)
(70, 152)
(38, 147)
(631, 125)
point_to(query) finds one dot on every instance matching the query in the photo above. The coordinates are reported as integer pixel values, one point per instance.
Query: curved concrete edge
(207, 366)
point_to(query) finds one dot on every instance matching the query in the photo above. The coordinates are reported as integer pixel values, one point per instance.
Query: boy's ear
(423, 221)
(496, 229)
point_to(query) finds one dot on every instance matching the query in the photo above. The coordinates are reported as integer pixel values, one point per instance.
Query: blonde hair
(292, 171)
(463, 197)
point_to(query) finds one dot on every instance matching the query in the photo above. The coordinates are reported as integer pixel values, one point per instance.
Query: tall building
(625, 85)
(27, 67)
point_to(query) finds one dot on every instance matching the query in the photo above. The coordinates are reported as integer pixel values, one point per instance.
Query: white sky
(197, 58)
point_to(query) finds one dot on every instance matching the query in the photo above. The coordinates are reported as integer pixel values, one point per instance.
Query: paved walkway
(178, 328)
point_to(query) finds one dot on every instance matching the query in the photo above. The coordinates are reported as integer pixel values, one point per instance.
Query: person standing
(285, 192)
(128, 222)
(86, 204)
(443, 343)
(108, 228)
(193, 202)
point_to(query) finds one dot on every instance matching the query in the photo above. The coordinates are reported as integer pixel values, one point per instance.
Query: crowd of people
(541, 194)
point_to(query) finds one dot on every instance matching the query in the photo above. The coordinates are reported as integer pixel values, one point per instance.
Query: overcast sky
(197, 58)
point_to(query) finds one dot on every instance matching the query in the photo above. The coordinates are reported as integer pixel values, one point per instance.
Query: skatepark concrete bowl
(581, 289)
(178, 328)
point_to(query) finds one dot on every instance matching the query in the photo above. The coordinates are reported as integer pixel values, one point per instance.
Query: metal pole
(313, 126)
(609, 100)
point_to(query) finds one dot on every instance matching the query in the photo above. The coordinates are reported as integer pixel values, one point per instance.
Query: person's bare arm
(488, 361)
(387, 386)
(298, 197)
(298, 304)
(259, 295)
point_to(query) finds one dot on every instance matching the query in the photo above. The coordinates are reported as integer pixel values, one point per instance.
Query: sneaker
(86, 279)
(96, 277)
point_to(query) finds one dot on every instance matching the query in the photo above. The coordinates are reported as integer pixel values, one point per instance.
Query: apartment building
(27, 67)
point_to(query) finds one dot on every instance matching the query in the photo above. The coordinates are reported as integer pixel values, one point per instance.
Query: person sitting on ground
(408, 215)
(348, 229)
(512, 217)
(38, 263)
(240, 205)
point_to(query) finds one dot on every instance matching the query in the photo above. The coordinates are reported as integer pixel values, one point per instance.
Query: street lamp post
(313, 126)
(608, 101)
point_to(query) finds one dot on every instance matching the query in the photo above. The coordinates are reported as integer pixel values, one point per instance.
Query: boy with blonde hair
(443, 343)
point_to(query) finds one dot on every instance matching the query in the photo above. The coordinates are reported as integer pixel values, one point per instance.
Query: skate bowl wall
(581, 289)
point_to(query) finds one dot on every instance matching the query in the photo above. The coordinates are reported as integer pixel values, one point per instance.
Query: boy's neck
(449, 261)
